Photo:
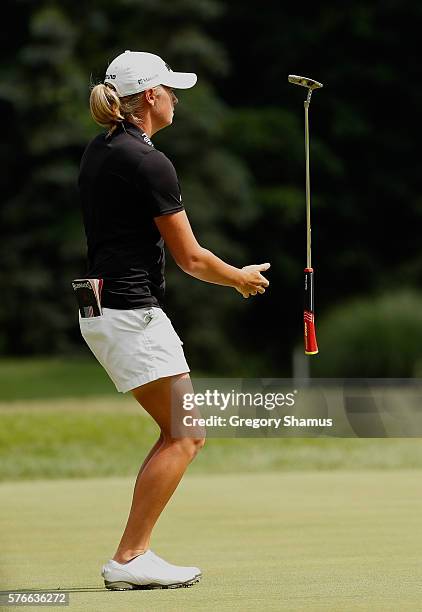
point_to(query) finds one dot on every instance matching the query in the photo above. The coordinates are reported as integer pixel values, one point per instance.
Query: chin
(165, 124)
(168, 122)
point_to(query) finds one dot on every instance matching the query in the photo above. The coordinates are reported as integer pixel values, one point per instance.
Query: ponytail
(108, 110)
(105, 106)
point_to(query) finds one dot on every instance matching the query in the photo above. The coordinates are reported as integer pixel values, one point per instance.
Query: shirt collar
(131, 128)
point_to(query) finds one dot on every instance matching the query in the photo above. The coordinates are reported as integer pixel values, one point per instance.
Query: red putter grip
(311, 347)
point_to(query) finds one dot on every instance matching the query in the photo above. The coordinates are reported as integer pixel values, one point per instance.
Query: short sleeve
(157, 182)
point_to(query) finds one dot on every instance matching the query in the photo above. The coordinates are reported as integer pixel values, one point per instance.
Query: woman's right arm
(204, 265)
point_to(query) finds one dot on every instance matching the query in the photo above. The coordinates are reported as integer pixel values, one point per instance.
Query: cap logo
(141, 81)
(168, 67)
(110, 76)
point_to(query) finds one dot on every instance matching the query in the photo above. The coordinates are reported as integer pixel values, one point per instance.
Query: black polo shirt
(124, 182)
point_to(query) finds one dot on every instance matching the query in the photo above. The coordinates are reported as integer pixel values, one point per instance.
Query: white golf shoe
(148, 571)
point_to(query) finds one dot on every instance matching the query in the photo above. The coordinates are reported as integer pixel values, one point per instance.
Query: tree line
(237, 144)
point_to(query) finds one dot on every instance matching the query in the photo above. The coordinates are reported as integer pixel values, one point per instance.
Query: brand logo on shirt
(147, 139)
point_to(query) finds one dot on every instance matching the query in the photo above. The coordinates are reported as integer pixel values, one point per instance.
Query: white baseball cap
(135, 71)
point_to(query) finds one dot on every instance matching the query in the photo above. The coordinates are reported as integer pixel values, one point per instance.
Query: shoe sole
(128, 586)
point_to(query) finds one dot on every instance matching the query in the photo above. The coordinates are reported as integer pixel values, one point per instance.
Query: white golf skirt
(134, 346)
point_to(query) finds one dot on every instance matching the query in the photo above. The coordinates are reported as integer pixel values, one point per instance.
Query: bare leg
(150, 454)
(162, 469)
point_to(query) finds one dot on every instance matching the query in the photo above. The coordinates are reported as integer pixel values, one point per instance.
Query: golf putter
(311, 346)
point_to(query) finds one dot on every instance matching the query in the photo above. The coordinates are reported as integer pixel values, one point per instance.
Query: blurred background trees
(237, 144)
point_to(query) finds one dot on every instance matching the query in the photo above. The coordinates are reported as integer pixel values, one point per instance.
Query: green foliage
(372, 337)
(65, 48)
(366, 208)
(237, 144)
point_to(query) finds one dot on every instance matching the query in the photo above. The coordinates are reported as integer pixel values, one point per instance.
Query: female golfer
(131, 206)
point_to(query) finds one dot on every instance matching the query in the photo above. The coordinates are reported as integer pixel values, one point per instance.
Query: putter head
(304, 81)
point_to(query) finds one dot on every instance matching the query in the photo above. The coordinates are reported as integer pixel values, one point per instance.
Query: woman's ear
(150, 96)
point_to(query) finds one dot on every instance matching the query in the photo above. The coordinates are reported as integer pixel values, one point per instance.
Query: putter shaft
(308, 186)
(311, 84)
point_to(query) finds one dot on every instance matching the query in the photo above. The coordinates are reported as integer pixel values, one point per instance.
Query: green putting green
(270, 541)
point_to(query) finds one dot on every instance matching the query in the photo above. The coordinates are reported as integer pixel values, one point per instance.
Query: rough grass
(109, 436)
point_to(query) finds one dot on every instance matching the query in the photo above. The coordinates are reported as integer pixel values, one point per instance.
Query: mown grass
(302, 542)
(52, 377)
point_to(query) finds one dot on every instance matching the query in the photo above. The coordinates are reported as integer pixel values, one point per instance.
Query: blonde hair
(108, 110)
